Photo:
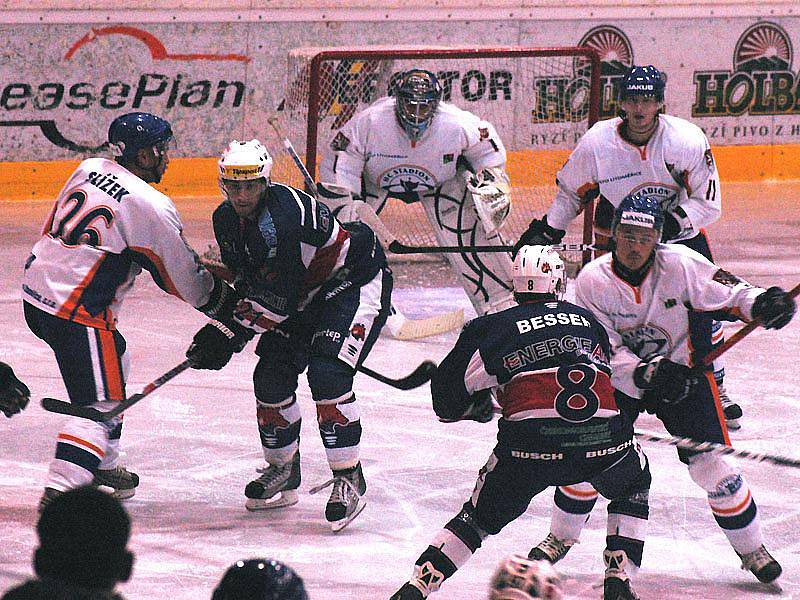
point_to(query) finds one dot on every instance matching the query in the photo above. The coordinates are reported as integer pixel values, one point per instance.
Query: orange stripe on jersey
(732, 511)
(155, 259)
(88, 445)
(111, 366)
(532, 391)
(70, 307)
(720, 414)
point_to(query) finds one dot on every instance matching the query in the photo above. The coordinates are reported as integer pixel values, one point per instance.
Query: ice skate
(551, 549)
(277, 486)
(347, 497)
(407, 592)
(731, 410)
(122, 481)
(48, 496)
(617, 583)
(761, 564)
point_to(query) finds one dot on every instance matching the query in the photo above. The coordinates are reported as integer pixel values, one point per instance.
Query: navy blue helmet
(260, 579)
(131, 132)
(641, 210)
(418, 93)
(642, 81)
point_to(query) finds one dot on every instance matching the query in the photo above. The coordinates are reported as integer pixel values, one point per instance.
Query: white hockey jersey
(373, 144)
(653, 318)
(676, 166)
(107, 224)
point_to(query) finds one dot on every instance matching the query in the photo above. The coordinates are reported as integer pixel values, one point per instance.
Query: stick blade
(65, 408)
(405, 329)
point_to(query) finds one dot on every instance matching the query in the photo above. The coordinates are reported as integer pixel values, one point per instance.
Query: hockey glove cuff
(482, 407)
(539, 233)
(221, 301)
(14, 395)
(215, 343)
(672, 382)
(774, 307)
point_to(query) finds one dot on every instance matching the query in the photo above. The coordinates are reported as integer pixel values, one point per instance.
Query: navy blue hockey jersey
(293, 249)
(548, 364)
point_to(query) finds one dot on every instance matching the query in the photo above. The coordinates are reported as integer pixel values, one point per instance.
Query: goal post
(540, 100)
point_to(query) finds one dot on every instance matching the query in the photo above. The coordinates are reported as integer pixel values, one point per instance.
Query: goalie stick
(399, 326)
(416, 378)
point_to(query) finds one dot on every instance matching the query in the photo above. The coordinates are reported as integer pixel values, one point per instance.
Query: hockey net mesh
(538, 100)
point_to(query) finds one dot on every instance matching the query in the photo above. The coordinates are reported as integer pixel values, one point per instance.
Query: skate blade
(284, 498)
(337, 526)
(115, 493)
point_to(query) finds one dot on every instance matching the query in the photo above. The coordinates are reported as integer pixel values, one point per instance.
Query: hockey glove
(14, 395)
(482, 407)
(214, 344)
(539, 233)
(774, 307)
(663, 379)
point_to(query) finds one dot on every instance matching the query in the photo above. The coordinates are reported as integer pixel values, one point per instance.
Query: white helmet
(244, 161)
(539, 270)
(519, 578)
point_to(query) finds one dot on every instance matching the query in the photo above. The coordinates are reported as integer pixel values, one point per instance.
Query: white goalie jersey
(676, 166)
(374, 145)
(106, 226)
(653, 318)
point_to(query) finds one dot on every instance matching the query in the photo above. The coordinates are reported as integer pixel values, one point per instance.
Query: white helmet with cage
(539, 270)
(245, 161)
(520, 578)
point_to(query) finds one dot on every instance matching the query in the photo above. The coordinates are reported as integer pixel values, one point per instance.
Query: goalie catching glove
(491, 195)
(774, 307)
(539, 233)
(14, 395)
(663, 381)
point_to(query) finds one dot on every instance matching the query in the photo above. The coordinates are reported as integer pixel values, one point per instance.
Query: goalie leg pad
(485, 277)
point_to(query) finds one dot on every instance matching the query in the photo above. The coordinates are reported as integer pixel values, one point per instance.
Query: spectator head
(83, 534)
(260, 579)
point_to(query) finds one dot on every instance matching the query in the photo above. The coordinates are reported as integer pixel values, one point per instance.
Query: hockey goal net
(540, 100)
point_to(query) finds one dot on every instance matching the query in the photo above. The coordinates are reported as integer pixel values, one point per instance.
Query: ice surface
(195, 445)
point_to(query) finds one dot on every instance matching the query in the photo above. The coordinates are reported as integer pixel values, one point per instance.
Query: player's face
(641, 112)
(244, 195)
(634, 245)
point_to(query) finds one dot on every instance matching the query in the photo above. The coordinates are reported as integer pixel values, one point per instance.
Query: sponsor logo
(537, 455)
(173, 81)
(760, 83)
(666, 195)
(334, 336)
(447, 158)
(359, 332)
(406, 179)
(610, 450)
(670, 302)
(566, 97)
(728, 486)
(647, 339)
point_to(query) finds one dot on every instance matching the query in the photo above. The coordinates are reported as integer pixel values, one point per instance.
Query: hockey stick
(66, 408)
(402, 328)
(419, 376)
(400, 248)
(720, 449)
(739, 335)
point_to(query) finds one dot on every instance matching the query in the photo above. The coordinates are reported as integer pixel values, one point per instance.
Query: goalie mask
(417, 96)
(519, 578)
(258, 579)
(539, 270)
